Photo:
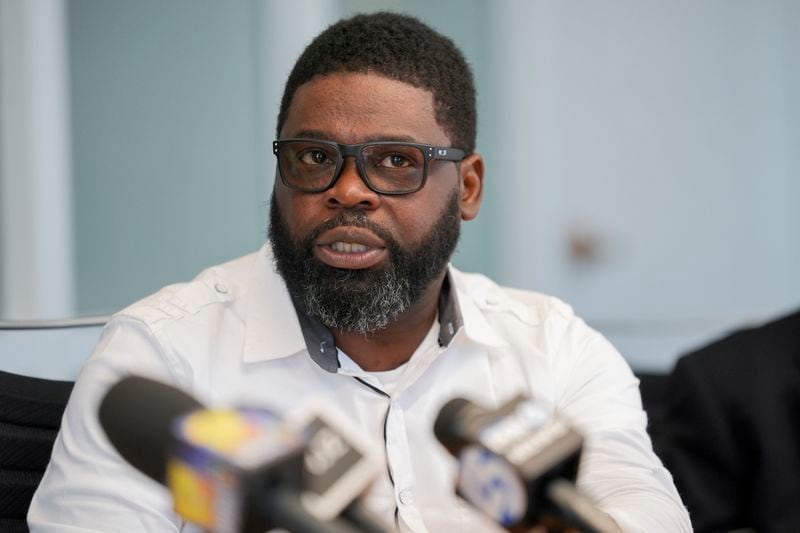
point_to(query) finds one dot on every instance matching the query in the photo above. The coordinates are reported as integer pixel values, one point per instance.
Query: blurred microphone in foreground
(242, 470)
(518, 465)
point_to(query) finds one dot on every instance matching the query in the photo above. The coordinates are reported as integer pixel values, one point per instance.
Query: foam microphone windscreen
(448, 425)
(137, 415)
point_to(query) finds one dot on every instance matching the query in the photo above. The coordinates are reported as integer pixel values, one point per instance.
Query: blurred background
(643, 157)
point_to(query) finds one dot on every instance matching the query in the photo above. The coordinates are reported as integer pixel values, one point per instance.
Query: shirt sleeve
(87, 485)
(619, 470)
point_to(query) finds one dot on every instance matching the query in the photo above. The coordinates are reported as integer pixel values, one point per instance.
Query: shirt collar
(322, 346)
(273, 332)
(476, 326)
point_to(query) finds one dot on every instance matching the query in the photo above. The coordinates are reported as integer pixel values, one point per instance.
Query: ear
(471, 186)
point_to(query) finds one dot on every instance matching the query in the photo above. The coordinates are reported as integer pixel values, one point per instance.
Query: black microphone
(237, 471)
(137, 415)
(518, 465)
(338, 466)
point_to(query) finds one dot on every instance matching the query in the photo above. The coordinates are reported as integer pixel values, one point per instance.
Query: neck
(390, 347)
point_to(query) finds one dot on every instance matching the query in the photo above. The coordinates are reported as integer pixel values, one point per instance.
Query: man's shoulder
(220, 284)
(491, 297)
(766, 354)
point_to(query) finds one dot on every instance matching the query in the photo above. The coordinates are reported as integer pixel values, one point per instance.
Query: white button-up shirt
(232, 336)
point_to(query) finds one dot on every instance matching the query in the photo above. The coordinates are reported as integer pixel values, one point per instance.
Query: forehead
(357, 107)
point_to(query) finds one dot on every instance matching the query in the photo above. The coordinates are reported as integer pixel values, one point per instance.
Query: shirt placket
(399, 457)
(398, 453)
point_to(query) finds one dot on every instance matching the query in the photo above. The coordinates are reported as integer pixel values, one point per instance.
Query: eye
(314, 157)
(395, 161)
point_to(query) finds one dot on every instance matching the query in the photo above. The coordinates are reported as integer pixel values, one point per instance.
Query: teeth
(348, 248)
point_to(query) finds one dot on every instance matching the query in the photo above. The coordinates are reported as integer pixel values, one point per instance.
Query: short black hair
(398, 47)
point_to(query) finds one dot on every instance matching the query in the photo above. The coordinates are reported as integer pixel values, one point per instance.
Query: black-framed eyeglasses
(387, 167)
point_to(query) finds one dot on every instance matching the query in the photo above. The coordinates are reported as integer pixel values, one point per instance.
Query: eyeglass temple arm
(447, 154)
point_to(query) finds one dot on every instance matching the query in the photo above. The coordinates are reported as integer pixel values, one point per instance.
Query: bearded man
(354, 302)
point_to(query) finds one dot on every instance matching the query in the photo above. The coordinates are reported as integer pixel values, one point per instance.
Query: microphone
(338, 466)
(518, 465)
(242, 470)
(137, 415)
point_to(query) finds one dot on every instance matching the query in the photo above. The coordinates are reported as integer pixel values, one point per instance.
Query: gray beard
(362, 309)
(362, 301)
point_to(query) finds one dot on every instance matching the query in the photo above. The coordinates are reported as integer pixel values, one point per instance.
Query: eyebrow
(326, 136)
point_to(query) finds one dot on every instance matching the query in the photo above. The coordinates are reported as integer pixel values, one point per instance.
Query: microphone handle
(283, 508)
(579, 509)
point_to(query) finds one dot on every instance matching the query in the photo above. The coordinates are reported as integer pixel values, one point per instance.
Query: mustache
(352, 218)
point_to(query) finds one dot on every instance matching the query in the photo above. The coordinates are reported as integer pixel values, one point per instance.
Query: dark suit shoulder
(731, 434)
(738, 359)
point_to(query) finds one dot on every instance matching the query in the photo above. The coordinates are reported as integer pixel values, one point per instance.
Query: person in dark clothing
(730, 432)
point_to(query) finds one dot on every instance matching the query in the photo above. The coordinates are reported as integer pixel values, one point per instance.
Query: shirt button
(406, 497)
(220, 288)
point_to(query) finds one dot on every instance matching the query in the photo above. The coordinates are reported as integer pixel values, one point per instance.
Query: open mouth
(348, 247)
(351, 248)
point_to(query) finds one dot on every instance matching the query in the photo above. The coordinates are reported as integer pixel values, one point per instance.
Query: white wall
(166, 143)
(791, 67)
(36, 237)
(655, 135)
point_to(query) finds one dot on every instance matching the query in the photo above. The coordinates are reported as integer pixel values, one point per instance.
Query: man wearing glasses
(354, 302)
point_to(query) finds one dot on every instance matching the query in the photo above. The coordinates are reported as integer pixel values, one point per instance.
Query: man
(376, 168)
(731, 430)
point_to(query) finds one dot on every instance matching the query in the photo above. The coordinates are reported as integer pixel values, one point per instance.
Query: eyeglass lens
(311, 166)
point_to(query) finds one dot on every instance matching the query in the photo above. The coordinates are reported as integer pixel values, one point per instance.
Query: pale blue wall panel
(164, 143)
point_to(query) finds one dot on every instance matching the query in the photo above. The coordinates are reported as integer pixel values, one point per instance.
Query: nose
(350, 190)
